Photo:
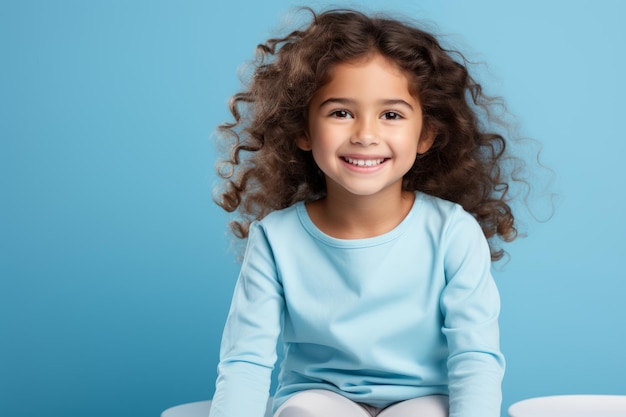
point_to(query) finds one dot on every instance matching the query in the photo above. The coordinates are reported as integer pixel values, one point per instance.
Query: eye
(392, 115)
(341, 114)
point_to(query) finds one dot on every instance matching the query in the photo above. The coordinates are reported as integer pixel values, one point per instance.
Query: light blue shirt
(409, 313)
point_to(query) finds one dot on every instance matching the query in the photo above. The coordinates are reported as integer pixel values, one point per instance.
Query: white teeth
(364, 162)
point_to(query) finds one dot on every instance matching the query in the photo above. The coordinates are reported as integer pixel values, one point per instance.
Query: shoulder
(445, 214)
(462, 241)
(454, 232)
(280, 218)
(269, 236)
(279, 224)
(459, 240)
(436, 204)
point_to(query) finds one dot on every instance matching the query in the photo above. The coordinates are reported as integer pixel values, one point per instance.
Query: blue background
(115, 267)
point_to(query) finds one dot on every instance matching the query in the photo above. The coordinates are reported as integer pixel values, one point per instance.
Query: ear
(427, 138)
(304, 142)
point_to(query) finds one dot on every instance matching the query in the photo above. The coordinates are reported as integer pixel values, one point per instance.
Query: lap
(324, 403)
(320, 403)
(428, 406)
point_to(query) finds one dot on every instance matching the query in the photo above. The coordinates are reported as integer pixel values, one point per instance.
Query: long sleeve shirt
(409, 313)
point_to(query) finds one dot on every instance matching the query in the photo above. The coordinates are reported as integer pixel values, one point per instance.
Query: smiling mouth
(364, 162)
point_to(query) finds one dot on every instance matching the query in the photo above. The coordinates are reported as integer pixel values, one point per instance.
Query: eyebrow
(347, 101)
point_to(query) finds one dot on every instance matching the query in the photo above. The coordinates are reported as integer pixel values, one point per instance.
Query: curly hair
(266, 171)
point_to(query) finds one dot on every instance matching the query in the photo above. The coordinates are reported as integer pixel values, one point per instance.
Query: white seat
(571, 406)
(199, 409)
(196, 409)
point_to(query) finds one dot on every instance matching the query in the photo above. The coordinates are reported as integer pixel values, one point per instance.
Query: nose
(365, 132)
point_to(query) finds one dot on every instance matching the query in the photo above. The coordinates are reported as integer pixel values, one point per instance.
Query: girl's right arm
(248, 350)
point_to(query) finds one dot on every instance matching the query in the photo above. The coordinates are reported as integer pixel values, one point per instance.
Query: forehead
(372, 76)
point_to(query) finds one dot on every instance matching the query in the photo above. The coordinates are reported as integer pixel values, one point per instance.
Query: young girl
(368, 190)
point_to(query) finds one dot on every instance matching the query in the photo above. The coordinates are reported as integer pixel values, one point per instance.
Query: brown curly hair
(266, 171)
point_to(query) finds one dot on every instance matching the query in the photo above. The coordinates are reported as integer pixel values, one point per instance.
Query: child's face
(365, 127)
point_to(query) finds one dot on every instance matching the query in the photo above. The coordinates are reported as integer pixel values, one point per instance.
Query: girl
(368, 191)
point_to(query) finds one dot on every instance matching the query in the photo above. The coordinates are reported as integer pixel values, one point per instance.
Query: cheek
(321, 150)
(323, 139)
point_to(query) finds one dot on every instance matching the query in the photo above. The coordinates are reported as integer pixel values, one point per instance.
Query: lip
(363, 163)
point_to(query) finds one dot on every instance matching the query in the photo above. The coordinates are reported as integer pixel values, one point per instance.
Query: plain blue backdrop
(115, 267)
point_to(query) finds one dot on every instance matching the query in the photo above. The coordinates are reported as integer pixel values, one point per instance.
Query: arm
(470, 304)
(248, 350)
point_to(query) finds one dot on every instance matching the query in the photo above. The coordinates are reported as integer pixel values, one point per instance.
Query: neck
(348, 216)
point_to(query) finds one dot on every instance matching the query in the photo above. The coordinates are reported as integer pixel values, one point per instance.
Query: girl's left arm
(470, 304)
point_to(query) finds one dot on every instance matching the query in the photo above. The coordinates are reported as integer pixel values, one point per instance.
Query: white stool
(200, 409)
(571, 406)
